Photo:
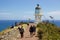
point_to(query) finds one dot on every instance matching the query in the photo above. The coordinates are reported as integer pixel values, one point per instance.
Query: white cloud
(7, 16)
(28, 14)
(54, 14)
(16, 16)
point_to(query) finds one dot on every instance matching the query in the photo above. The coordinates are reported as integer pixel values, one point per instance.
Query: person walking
(31, 31)
(12, 26)
(21, 30)
(34, 29)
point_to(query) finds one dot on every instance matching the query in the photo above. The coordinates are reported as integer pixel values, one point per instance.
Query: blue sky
(24, 9)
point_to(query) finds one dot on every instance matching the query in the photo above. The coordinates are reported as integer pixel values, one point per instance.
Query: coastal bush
(50, 31)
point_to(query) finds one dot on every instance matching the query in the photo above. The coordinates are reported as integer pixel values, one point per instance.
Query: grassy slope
(9, 29)
(50, 31)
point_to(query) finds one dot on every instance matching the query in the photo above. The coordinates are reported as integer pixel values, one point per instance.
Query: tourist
(12, 26)
(15, 23)
(34, 29)
(31, 31)
(28, 24)
(21, 30)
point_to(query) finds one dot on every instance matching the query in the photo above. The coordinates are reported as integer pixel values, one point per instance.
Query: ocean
(7, 23)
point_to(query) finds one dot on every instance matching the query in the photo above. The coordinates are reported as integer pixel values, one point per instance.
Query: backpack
(21, 30)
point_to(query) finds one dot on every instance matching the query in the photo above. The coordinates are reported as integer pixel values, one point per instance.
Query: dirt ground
(27, 34)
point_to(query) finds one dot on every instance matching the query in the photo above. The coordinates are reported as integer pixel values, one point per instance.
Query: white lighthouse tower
(38, 14)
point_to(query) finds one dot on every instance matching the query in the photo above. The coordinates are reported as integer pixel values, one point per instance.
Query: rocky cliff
(10, 34)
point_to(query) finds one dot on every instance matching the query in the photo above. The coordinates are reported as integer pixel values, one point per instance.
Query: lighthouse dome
(38, 7)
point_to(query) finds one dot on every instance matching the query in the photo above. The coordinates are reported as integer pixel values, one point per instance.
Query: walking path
(27, 34)
(13, 34)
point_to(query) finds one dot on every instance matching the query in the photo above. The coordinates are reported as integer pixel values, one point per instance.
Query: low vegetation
(48, 31)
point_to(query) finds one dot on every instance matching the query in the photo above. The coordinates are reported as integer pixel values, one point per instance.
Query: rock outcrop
(13, 34)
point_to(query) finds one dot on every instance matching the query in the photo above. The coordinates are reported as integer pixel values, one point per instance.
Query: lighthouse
(38, 14)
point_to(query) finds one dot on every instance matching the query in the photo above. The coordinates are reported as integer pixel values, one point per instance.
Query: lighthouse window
(37, 11)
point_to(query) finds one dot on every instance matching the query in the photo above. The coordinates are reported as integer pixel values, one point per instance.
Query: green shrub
(50, 31)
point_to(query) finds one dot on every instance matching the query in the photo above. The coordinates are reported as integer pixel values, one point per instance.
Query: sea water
(7, 23)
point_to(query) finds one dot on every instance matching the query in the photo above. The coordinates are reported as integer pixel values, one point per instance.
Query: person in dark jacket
(12, 26)
(34, 29)
(21, 30)
(31, 31)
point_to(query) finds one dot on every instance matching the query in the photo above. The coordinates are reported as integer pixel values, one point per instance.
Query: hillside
(13, 34)
(49, 31)
(45, 31)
